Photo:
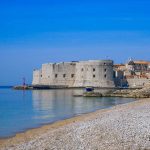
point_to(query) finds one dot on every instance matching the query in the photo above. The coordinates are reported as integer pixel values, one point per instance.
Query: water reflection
(58, 104)
(21, 110)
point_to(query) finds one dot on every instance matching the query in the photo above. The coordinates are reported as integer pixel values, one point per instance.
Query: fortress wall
(47, 74)
(60, 74)
(64, 74)
(137, 82)
(76, 74)
(94, 73)
(36, 77)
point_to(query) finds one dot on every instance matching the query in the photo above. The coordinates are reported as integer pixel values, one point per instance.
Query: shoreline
(53, 123)
(33, 132)
(36, 132)
(49, 87)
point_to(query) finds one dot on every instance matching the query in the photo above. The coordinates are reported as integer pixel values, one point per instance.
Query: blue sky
(36, 32)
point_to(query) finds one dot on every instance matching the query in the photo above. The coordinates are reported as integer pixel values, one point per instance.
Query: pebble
(121, 128)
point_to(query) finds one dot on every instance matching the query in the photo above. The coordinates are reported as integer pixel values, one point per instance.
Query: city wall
(137, 82)
(95, 73)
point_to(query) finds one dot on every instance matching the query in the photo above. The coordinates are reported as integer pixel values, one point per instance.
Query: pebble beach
(125, 126)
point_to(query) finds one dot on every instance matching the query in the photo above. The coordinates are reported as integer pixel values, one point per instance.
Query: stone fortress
(95, 73)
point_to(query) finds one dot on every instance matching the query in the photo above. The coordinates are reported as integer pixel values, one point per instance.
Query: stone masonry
(95, 73)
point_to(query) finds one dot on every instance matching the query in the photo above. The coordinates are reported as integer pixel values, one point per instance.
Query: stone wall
(94, 73)
(37, 77)
(137, 82)
(60, 74)
(76, 74)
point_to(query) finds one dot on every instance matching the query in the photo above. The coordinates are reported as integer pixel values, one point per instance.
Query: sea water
(22, 110)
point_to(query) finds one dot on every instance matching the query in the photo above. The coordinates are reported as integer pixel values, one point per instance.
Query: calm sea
(22, 110)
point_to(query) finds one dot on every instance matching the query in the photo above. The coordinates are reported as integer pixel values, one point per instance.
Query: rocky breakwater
(92, 94)
(126, 93)
(130, 93)
(20, 87)
(140, 93)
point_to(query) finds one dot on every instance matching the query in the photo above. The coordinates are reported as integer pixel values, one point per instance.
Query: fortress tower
(95, 73)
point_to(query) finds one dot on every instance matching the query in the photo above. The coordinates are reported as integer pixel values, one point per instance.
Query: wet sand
(125, 126)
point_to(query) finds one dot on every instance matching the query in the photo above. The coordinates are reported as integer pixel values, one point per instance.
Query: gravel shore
(122, 127)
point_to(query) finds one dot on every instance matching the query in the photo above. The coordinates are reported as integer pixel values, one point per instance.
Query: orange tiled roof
(138, 76)
(142, 62)
(118, 65)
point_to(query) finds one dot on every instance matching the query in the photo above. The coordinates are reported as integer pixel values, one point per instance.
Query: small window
(41, 75)
(105, 75)
(82, 69)
(93, 75)
(93, 69)
(56, 75)
(72, 75)
(64, 75)
(105, 70)
(48, 76)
